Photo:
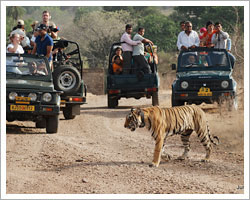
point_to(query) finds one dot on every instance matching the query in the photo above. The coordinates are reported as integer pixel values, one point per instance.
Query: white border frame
(126, 196)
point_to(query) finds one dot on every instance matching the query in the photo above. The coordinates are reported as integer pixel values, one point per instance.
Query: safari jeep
(30, 93)
(204, 75)
(67, 77)
(134, 85)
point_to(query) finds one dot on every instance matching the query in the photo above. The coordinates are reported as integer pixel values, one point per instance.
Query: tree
(161, 30)
(13, 13)
(81, 11)
(199, 15)
(97, 30)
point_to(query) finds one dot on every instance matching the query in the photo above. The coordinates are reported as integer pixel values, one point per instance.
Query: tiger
(165, 122)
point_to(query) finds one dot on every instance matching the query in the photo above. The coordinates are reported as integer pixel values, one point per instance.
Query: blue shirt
(41, 46)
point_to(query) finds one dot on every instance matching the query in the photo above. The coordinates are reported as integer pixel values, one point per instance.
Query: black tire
(52, 124)
(176, 102)
(67, 113)
(155, 99)
(67, 79)
(112, 102)
(41, 123)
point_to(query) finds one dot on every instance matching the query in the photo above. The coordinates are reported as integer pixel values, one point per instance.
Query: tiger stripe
(165, 122)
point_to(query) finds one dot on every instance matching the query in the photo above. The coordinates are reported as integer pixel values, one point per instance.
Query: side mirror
(173, 66)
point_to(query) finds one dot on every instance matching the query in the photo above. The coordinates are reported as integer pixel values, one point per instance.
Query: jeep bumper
(195, 97)
(30, 112)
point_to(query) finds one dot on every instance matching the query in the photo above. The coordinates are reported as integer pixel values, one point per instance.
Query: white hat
(18, 31)
(20, 22)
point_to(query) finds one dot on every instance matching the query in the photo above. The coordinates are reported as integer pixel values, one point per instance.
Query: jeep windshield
(26, 66)
(204, 59)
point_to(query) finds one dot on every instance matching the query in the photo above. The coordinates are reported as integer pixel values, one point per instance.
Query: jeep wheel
(41, 123)
(155, 99)
(52, 124)
(67, 79)
(112, 102)
(176, 102)
(67, 113)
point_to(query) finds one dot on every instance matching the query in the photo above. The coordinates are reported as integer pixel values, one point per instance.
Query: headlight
(224, 84)
(47, 97)
(184, 84)
(12, 96)
(32, 96)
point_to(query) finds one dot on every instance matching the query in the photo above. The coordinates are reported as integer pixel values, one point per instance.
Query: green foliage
(99, 30)
(135, 11)
(161, 30)
(81, 11)
(199, 15)
(15, 12)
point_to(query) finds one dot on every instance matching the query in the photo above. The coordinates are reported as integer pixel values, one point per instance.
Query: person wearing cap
(25, 41)
(46, 21)
(188, 38)
(43, 43)
(30, 34)
(33, 34)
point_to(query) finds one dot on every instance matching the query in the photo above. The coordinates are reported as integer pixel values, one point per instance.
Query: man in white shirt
(188, 38)
(127, 48)
(138, 52)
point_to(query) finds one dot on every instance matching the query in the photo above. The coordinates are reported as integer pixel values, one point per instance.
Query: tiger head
(134, 119)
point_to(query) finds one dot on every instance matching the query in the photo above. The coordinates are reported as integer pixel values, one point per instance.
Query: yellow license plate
(204, 91)
(22, 108)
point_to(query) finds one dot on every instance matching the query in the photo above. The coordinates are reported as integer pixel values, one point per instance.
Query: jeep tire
(68, 113)
(41, 123)
(67, 79)
(175, 102)
(112, 102)
(155, 99)
(52, 123)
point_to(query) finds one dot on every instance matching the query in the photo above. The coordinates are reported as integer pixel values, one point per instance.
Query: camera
(51, 29)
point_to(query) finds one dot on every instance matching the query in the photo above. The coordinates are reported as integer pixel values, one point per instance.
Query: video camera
(60, 44)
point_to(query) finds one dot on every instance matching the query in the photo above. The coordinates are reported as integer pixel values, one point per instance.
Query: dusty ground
(94, 153)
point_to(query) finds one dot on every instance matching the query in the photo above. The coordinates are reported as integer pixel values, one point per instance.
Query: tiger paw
(153, 165)
(166, 157)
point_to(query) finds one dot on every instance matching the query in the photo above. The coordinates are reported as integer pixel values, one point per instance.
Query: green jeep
(204, 75)
(67, 77)
(134, 85)
(30, 93)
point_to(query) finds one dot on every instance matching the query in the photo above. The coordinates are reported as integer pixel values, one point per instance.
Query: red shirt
(208, 40)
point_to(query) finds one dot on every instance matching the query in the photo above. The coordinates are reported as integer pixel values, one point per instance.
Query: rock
(84, 180)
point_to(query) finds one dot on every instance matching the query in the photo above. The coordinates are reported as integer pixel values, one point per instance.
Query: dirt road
(94, 153)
